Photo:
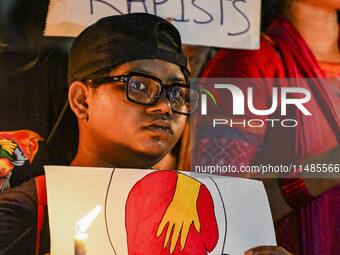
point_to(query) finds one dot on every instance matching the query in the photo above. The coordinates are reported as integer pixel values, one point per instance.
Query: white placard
(240, 210)
(217, 23)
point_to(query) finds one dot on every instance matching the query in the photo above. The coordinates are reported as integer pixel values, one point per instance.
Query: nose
(162, 106)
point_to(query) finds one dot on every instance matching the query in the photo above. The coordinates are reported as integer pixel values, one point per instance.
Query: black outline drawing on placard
(106, 222)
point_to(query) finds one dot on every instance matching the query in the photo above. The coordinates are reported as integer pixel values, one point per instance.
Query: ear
(77, 96)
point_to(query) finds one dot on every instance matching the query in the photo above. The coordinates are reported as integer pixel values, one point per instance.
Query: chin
(141, 154)
(148, 158)
(153, 147)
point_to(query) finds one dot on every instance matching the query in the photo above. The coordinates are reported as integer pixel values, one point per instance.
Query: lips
(160, 127)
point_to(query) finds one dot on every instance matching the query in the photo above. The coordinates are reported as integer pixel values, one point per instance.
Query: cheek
(106, 106)
(330, 4)
(180, 124)
(113, 114)
(335, 4)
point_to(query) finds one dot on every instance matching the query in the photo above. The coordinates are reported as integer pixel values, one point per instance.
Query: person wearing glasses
(129, 89)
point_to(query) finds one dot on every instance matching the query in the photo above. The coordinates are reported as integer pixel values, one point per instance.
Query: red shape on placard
(145, 207)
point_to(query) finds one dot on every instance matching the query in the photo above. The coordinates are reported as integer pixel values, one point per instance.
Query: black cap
(116, 40)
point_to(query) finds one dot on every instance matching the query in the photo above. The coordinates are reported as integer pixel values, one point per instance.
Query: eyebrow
(172, 78)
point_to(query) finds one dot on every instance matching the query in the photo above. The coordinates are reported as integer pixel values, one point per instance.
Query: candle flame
(83, 224)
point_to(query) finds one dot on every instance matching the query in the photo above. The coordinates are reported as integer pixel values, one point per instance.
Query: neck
(318, 27)
(85, 157)
(88, 158)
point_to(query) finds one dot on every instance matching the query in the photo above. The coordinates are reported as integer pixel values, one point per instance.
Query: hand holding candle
(81, 226)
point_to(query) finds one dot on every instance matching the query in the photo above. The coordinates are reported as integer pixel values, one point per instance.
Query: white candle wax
(80, 243)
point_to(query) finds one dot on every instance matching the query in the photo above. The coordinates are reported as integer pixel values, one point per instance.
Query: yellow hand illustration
(181, 213)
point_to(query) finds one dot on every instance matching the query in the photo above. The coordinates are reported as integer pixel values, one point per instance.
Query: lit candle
(81, 226)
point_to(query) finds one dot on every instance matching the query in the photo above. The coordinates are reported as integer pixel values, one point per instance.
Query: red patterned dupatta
(299, 61)
(320, 220)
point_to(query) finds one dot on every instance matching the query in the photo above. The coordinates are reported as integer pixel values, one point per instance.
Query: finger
(184, 234)
(161, 227)
(197, 225)
(175, 235)
(168, 19)
(167, 236)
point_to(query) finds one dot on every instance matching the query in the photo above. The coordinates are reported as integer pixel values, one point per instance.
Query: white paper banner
(229, 216)
(217, 23)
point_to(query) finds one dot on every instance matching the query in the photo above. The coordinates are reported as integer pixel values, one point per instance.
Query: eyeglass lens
(147, 91)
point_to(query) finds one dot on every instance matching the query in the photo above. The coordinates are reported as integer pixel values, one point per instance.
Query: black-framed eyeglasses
(146, 90)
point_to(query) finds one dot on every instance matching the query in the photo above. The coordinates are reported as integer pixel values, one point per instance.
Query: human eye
(137, 85)
(176, 92)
